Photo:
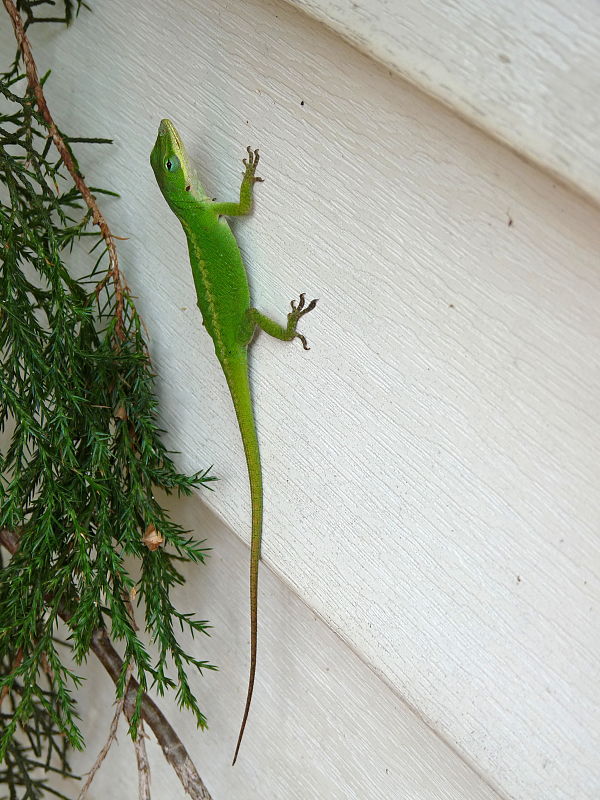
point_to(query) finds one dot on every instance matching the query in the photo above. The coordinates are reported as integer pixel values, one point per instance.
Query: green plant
(84, 457)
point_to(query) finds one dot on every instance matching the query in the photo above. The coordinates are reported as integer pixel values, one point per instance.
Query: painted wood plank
(528, 73)
(431, 465)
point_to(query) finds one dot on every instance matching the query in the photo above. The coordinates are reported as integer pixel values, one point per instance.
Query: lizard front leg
(246, 189)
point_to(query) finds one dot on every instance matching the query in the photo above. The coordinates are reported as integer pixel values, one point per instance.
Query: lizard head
(174, 174)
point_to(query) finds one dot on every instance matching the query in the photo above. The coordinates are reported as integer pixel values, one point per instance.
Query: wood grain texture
(323, 724)
(431, 465)
(527, 73)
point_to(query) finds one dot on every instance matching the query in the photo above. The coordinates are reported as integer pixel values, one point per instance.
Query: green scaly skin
(224, 301)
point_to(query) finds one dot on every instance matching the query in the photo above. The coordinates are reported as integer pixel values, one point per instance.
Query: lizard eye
(172, 164)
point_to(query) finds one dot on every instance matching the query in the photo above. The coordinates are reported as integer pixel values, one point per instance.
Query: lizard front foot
(251, 164)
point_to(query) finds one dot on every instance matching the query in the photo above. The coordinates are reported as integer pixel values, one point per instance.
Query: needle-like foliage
(82, 456)
(39, 750)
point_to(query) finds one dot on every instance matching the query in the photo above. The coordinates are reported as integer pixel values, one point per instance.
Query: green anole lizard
(224, 301)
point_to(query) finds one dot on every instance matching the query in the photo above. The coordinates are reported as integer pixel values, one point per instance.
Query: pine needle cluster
(82, 458)
(38, 751)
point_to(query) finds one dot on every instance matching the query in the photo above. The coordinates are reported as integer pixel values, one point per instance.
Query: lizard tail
(239, 385)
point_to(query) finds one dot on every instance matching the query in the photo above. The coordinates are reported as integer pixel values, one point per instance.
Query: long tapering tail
(236, 374)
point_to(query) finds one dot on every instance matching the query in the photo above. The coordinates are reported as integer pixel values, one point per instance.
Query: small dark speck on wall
(301, 102)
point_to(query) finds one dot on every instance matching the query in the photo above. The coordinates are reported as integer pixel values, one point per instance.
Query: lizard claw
(303, 340)
(299, 310)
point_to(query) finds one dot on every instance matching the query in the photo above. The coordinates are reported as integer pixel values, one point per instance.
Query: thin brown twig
(98, 219)
(171, 745)
(139, 743)
(143, 765)
(112, 735)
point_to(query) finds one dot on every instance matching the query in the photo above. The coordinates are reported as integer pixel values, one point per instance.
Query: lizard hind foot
(299, 311)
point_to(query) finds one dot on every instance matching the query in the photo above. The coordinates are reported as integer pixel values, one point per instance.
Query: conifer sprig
(84, 458)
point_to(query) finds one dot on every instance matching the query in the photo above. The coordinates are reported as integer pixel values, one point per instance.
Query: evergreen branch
(84, 458)
(69, 162)
(71, 9)
(171, 745)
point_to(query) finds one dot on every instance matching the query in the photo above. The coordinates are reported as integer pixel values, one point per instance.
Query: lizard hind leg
(254, 319)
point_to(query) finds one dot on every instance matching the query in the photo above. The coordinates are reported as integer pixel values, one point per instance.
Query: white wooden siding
(527, 73)
(431, 465)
